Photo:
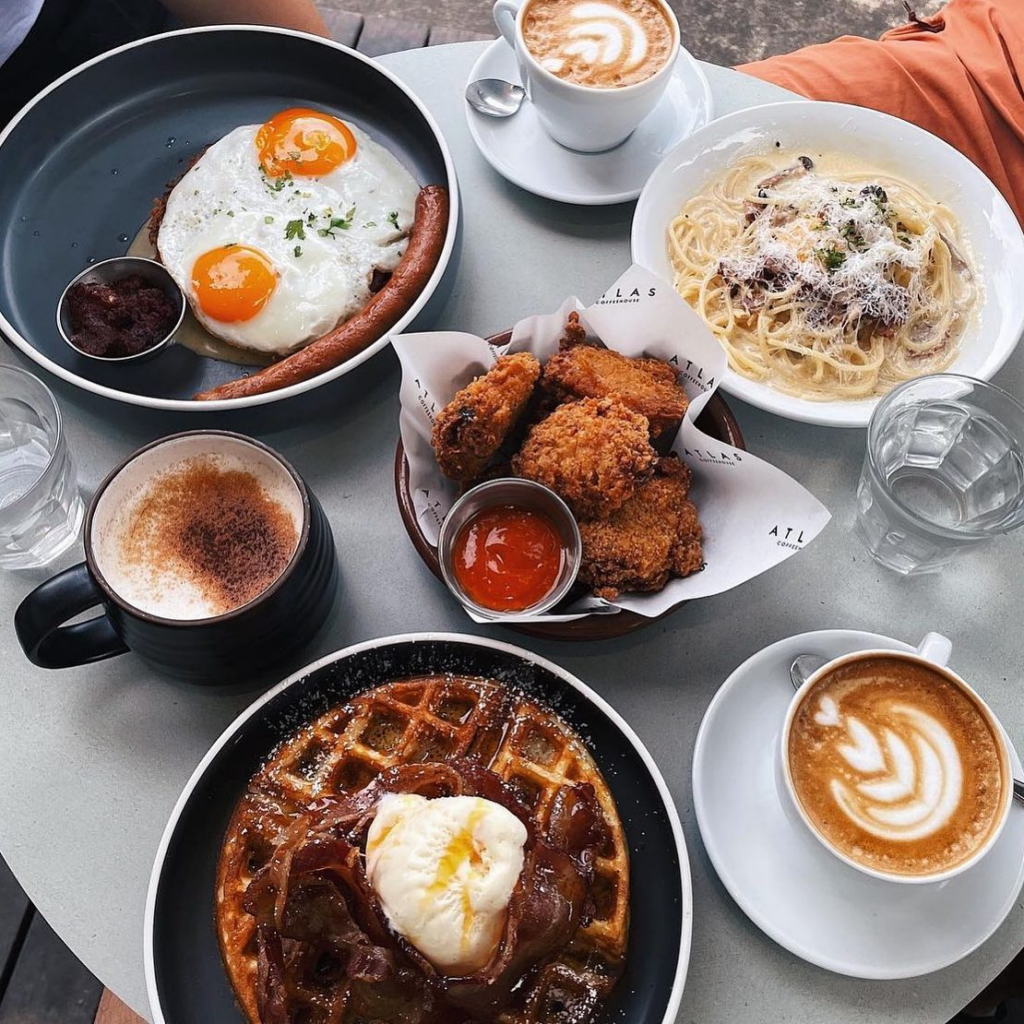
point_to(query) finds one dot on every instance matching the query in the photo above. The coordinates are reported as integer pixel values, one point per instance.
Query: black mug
(213, 647)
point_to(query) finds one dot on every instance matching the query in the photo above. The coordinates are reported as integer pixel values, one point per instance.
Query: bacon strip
(313, 899)
(373, 321)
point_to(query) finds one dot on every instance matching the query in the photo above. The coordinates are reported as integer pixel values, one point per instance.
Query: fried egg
(275, 233)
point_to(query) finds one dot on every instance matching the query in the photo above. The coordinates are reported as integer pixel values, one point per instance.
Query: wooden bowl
(717, 420)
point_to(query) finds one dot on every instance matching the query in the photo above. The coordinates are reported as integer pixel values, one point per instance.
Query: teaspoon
(495, 97)
(805, 665)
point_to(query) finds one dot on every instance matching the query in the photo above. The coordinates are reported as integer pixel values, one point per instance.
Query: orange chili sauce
(507, 558)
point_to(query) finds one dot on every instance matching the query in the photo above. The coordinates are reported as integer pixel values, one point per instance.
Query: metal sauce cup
(108, 271)
(524, 494)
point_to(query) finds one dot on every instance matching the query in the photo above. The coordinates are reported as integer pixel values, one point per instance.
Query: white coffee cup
(932, 653)
(581, 117)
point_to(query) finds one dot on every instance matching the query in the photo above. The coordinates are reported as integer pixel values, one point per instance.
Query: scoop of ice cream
(444, 871)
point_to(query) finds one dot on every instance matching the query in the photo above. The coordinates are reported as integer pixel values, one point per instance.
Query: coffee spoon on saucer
(805, 665)
(495, 97)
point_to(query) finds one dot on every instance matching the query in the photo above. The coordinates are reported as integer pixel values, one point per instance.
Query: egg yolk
(303, 142)
(233, 283)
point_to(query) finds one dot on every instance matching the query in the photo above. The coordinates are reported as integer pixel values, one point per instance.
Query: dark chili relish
(119, 319)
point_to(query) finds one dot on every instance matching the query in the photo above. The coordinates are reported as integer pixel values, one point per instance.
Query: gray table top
(94, 759)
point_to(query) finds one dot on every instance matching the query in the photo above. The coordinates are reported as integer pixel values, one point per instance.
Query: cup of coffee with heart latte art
(897, 766)
(593, 69)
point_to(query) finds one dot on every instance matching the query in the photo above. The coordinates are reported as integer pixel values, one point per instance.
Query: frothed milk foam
(896, 766)
(200, 537)
(601, 43)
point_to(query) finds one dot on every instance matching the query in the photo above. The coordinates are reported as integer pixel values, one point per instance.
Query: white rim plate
(786, 882)
(185, 405)
(990, 227)
(520, 150)
(686, 924)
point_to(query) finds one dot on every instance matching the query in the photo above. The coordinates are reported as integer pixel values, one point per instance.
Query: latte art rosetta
(896, 766)
(912, 777)
(603, 34)
(601, 43)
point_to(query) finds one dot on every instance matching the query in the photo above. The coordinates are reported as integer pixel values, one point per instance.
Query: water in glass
(944, 472)
(41, 508)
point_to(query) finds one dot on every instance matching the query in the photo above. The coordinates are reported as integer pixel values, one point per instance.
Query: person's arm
(297, 14)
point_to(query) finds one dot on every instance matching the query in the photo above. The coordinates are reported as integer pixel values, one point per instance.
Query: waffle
(433, 718)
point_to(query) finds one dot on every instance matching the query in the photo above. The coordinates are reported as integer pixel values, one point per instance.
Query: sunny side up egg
(274, 234)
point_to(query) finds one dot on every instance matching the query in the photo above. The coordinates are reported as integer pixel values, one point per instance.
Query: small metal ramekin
(108, 271)
(522, 494)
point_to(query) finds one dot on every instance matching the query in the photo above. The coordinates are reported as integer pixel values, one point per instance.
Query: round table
(93, 759)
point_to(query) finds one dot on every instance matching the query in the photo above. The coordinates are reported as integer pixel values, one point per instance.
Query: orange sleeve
(958, 75)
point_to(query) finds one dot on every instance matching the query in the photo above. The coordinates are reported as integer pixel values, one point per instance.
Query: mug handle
(38, 622)
(505, 14)
(935, 648)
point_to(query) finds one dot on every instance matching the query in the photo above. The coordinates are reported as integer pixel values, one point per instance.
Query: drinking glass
(41, 508)
(943, 472)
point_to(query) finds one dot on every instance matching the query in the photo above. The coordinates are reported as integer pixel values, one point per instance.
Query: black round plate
(83, 164)
(186, 981)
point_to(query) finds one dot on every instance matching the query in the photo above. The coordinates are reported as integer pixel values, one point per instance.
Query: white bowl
(946, 175)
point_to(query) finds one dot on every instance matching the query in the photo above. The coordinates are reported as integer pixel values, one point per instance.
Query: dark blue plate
(184, 975)
(83, 162)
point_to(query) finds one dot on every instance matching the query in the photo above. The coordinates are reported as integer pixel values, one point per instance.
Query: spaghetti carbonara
(825, 286)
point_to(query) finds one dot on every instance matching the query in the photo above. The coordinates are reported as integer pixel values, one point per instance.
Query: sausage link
(373, 321)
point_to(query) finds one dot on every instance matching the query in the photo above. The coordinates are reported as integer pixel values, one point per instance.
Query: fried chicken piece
(593, 454)
(471, 428)
(647, 386)
(653, 536)
(574, 334)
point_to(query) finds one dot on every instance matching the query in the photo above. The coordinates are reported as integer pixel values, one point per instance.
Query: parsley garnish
(298, 250)
(393, 217)
(294, 229)
(848, 201)
(851, 234)
(268, 219)
(832, 257)
(370, 224)
(342, 223)
(275, 184)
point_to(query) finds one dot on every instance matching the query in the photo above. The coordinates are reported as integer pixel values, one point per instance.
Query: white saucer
(520, 150)
(786, 882)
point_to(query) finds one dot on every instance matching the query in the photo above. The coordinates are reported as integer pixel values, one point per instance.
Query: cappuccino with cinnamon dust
(605, 44)
(897, 766)
(204, 536)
